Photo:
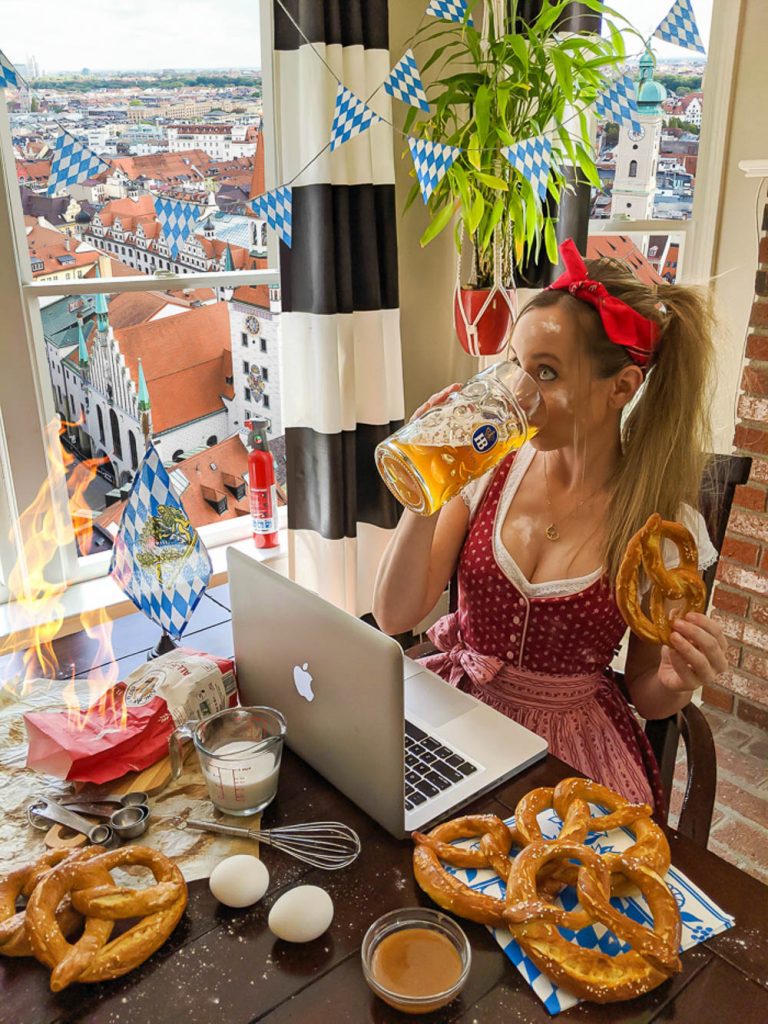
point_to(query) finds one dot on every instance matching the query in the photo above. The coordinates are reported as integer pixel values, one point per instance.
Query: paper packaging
(130, 731)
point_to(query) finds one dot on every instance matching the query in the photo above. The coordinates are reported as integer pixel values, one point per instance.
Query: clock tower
(637, 153)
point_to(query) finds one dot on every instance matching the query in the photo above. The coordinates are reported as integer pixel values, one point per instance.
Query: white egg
(301, 914)
(239, 881)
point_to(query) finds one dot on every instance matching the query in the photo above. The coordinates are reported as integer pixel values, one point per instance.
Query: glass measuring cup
(240, 750)
(429, 460)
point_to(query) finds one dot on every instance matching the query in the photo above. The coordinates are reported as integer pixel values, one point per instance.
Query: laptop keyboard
(430, 766)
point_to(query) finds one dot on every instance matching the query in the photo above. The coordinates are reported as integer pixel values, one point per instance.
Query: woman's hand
(695, 655)
(437, 399)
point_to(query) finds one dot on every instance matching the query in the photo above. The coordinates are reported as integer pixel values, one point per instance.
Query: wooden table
(225, 966)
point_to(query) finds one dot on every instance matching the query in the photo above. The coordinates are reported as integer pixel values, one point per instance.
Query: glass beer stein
(429, 460)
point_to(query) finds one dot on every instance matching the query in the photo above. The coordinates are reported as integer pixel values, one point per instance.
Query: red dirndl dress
(540, 653)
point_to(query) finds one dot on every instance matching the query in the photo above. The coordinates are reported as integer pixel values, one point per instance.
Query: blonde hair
(665, 435)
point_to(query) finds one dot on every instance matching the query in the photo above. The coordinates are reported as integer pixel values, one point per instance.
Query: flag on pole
(72, 162)
(8, 73)
(431, 160)
(404, 82)
(679, 27)
(532, 159)
(158, 558)
(619, 104)
(276, 208)
(177, 220)
(350, 117)
(449, 10)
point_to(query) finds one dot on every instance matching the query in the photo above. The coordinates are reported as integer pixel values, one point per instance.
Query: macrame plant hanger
(503, 276)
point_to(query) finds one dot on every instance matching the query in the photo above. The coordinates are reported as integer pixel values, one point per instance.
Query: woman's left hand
(695, 655)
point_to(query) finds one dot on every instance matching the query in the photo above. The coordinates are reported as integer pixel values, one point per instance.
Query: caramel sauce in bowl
(416, 960)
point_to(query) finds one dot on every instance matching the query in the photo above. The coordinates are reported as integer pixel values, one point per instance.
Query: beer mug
(429, 460)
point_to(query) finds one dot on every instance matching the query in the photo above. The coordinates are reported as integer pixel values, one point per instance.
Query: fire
(36, 606)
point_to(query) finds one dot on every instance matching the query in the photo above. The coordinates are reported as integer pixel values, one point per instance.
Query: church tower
(637, 153)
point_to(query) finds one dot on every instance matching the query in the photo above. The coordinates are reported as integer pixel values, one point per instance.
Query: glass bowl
(430, 920)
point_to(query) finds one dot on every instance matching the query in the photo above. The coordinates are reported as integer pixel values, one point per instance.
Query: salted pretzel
(544, 866)
(21, 882)
(681, 583)
(80, 885)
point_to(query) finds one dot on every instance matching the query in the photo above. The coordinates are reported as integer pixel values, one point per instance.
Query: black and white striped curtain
(340, 332)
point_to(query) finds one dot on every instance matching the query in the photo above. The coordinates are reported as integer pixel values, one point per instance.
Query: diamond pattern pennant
(177, 220)
(532, 159)
(158, 558)
(276, 208)
(8, 73)
(449, 10)
(431, 160)
(679, 27)
(350, 117)
(619, 104)
(72, 162)
(404, 82)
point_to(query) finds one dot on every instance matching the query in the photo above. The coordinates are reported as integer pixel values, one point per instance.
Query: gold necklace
(552, 532)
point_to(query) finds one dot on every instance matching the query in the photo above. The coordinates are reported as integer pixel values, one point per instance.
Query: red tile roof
(49, 245)
(130, 308)
(620, 247)
(33, 170)
(164, 166)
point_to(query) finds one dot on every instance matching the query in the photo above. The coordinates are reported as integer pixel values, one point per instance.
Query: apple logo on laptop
(303, 681)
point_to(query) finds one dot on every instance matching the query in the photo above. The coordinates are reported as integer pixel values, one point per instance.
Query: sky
(129, 35)
(126, 35)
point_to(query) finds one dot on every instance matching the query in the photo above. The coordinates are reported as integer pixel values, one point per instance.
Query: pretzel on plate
(80, 887)
(680, 583)
(544, 866)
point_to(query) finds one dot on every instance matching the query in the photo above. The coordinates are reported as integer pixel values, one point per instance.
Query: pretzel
(21, 882)
(681, 583)
(80, 883)
(544, 866)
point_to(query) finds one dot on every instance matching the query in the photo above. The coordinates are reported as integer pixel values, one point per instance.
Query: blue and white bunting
(8, 73)
(276, 208)
(619, 104)
(177, 220)
(72, 162)
(158, 558)
(532, 158)
(350, 117)
(679, 27)
(449, 10)
(404, 82)
(431, 160)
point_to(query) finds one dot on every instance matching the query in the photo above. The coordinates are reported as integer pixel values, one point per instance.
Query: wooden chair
(721, 477)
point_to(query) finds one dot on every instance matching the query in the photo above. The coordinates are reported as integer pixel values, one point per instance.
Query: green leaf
(492, 181)
(473, 151)
(563, 72)
(550, 240)
(456, 172)
(410, 117)
(493, 219)
(439, 222)
(415, 190)
(520, 50)
(483, 113)
(587, 165)
(476, 212)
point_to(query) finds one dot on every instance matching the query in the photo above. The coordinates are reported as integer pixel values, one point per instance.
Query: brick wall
(741, 593)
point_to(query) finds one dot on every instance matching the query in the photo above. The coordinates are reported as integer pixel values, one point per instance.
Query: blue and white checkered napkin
(701, 918)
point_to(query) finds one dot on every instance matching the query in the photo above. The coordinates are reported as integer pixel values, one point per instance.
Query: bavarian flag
(158, 558)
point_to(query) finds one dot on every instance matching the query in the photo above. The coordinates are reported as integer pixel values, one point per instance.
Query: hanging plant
(501, 82)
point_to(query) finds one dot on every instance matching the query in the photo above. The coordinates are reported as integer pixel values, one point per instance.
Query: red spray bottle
(262, 492)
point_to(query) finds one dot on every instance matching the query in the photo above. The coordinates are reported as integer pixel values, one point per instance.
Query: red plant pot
(491, 330)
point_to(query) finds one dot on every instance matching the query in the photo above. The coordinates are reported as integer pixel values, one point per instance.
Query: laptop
(401, 743)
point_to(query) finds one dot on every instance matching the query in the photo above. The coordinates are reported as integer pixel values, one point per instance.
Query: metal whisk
(329, 845)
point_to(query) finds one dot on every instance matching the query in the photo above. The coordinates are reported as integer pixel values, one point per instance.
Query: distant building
(637, 153)
(59, 212)
(685, 108)
(220, 141)
(56, 257)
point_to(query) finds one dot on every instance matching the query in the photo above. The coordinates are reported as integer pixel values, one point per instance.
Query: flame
(36, 608)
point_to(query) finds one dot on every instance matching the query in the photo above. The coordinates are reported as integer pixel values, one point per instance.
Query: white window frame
(700, 231)
(29, 454)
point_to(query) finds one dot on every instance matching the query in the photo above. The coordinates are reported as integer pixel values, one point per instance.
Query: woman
(538, 541)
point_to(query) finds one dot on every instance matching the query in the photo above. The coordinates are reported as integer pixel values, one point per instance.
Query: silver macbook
(391, 735)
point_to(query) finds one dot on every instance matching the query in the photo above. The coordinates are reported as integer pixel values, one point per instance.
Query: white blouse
(473, 495)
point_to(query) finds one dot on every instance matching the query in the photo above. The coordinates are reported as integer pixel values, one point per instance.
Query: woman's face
(545, 344)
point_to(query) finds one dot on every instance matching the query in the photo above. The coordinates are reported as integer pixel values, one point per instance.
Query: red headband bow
(623, 325)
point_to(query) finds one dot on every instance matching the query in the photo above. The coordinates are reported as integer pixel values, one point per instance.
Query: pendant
(552, 532)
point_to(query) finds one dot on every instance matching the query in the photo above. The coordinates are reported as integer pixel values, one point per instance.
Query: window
(212, 440)
(263, 343)
(680, 147)
(265, 373)
(246, 367)
(109, 372)
(247, 394)
(265, 400)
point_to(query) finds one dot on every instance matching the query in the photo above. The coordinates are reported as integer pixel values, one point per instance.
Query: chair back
(722, 475)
